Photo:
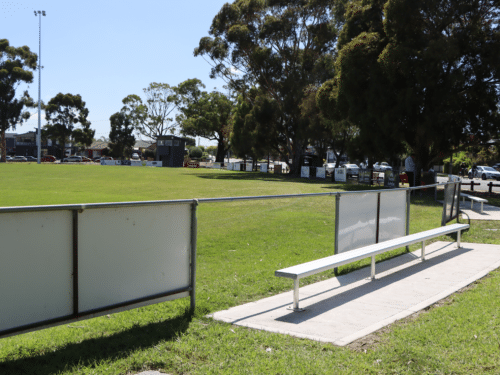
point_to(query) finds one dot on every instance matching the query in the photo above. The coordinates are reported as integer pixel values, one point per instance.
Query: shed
(170, 150)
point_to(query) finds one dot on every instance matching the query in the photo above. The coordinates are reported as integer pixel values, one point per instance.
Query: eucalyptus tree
(204, 114)
(16, 65)
(121, 137)
(279, 47)
(63, 112)
(154, 116)
(420, 76)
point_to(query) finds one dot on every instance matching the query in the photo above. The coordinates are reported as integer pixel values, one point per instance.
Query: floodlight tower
(39, 13)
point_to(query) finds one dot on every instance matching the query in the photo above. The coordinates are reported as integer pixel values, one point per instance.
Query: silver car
(485, 173)
(351, 169)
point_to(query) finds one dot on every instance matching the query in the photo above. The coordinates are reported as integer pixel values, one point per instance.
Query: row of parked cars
(53, 159)
(353, 169)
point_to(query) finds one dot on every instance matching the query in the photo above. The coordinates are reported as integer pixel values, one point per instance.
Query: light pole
(39, 13)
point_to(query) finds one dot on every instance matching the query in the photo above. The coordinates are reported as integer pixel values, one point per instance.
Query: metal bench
(474, 199)
(310, 268)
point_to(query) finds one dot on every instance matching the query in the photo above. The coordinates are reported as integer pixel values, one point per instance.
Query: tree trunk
(219, 158)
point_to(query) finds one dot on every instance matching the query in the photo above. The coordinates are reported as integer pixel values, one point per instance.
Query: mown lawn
(240, 245)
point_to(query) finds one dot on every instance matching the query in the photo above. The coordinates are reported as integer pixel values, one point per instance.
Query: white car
(73, 159)
(351, 169)
(380, 167)
(485, 173)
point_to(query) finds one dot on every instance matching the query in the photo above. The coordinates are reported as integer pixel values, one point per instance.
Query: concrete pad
(489, 212)
(343, 309)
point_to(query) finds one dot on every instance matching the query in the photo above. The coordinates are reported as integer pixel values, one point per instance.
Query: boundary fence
(87, 260)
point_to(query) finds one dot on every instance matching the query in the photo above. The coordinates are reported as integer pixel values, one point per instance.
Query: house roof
(143, 144)
(98, 145)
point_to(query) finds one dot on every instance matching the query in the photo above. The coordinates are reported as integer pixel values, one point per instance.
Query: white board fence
(73, 262)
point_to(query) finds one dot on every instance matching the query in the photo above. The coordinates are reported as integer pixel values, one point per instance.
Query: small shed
(170, 150)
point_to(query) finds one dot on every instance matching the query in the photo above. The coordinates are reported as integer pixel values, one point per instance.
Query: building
(170, 150)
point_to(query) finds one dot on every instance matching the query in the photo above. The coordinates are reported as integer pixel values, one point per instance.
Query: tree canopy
(152, 118)
(279, 48)
(121, 137)
(420, 76)
(204, 114)
(62, 113)
(16, 65)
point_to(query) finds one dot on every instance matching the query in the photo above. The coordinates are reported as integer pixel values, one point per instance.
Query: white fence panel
(127, 253)
(263, 168)
(36, 267)
(248, 167)
(357, 224)
(392, 215)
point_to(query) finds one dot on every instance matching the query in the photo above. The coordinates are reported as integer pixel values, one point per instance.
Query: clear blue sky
(105, 50)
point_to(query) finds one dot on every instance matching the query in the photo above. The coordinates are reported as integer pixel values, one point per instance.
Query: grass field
(240, 245)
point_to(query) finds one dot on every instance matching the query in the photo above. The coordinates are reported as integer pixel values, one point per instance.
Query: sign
(321, 172)
(249, 167)
(391, 179)
(340, 174)
(365, 176)
(216, 165)
(263, 168)
(304, 172)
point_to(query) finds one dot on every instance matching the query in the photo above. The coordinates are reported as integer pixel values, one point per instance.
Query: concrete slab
(489, 212)
(341, 310)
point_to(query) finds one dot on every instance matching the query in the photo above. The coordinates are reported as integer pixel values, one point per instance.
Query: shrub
(195, 152)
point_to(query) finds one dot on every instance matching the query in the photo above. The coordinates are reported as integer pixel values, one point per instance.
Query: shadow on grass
(95, 350)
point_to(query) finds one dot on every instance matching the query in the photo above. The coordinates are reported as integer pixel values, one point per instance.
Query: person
(410, 169)
(463, 169)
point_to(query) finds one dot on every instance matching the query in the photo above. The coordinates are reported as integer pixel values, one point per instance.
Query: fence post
(408, 201)
(337, 220)
(490, 188)
(193, 254)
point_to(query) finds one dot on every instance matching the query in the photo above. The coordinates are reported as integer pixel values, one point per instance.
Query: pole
(39, 134)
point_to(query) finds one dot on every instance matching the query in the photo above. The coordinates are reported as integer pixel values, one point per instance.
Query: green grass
(240, 245)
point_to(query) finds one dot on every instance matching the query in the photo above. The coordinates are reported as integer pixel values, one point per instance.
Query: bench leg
(458, 239)
(423, 250)
(373, 268)
(481, 208)
(295, 306)
(471, 204)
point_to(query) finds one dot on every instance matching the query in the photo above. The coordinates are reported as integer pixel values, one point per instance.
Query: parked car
(48, 159)
(86, 160)
(351, 169)
(9, 158)
(73, 159)
(496, 166)
(135, 156)
(19, 158)
(485, 173)
(380, 167)
(31, 158)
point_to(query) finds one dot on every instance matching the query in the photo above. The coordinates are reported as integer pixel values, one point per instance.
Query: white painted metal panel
(216, 165)
(304, 172)
(127, 253)
(392, 215)
(153, 163)
(263, 168)
(357, 223)
(249, 167)
(35, 267)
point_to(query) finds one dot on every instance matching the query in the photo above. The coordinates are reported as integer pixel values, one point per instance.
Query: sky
(105, 50)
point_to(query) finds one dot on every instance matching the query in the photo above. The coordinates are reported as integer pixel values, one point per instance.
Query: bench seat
(319, 265)
(474, 199)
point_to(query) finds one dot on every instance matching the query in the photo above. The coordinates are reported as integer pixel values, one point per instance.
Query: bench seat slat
(324, 264)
